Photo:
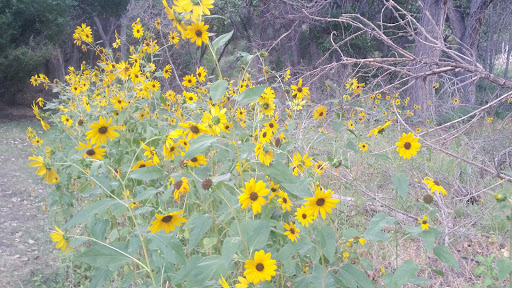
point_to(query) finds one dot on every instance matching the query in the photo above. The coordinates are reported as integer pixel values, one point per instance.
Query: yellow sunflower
(322, 202)
(138, 31)
(197, 33)
(201, 74)
(197, 161)
(215, 120)
(300, 92)
(181, 187)
(264, 154)
(171, 150)
(320, 112)
(434, 186)
(408, 145)
(262, 268)
(300, 162)
(424, 222)
(304, 215)
(253, 195)
(142, 164)
(292, 231)
(193, 130)
(101, 130)
(168, 222)
(189, 81)
(93, 152)
(61, 239)
(50, 175)
(363, 146)
(285, 202)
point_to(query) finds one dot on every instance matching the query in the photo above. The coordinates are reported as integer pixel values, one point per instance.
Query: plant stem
(510, 244)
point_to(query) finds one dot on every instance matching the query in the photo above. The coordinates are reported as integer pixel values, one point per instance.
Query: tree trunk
(104, 38)
(432, 21)
(509, 51)
(469, 36)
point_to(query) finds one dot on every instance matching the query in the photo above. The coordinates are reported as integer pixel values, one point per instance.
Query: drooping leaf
(199, 145)
(147, 173)
(221, 40)
(374, 231)
(504, 268)
(250, 95)
(90, 211)
(218, 89)
(229, 247)
(106, 257)
(352, 277)
(443, 253)
(169, 245)
(198, 225)
(327, 241)
(401, 183)
(405, 272)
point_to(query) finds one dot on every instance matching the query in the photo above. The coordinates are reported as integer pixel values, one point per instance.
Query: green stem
(143, 247)
(215, 58)
(510, 244)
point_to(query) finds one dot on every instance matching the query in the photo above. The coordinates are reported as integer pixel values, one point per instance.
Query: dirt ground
(27, 256)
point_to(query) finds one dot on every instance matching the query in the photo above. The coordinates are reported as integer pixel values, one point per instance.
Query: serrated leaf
(401, 183)
(169, 245)
(199, 145)
(229, 247)
(327, 241)
(352, 277)
(405, 272)
(198, 225)
(250, 95)
(221, 40)
(105, 257)
(504, 268)
(218, 89)
(443, 253)
(374, 231)
(90, 211)
(147, 173)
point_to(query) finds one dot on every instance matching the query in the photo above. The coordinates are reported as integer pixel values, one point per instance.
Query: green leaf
(102, 256)
(257, 234)
(90, 211)
(352, 277)
(250, 95)
(229, 248)
(286, 252)
(401, 183)
(381, 156)
(327, 241)
(198, 145)
(198, 225)
(198, 270)
(147, 173)
(169, 245)
(379, 221)
(352, 146)
(99, 277)
(221, 40)
(218, 89)
(438, 272)
(420, 281)
(100, 228)
(428, 238)
(504, 268)
(148, 193)
(367, 264)
(443, 253)
(403, 274)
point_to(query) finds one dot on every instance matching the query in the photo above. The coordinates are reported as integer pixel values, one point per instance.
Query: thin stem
(215, 58)
(510, 244)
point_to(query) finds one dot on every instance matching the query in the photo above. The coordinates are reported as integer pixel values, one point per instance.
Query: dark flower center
(273, 189)
(424, 222)
(284, 200)
(321, 114)
(103, 130)
(90, 152)
(264, 135)
(292, 231)
(199, 75)
(119, 101)
(199, 33)
(167, 219)
(260, 267)
(177, 185)
(265, 106)
(271, 125)
(253, 196)
(194, 159)
(194, 129)
(216, 120)
(320, 202)
(436, 182)
(407, 145)
(299, 89)
(304, 216)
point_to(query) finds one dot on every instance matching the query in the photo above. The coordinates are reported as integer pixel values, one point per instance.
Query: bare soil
(27, 255)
